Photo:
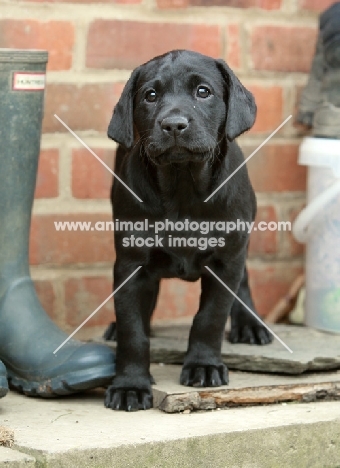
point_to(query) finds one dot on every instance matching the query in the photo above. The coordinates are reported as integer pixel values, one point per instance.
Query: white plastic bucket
(319, 226)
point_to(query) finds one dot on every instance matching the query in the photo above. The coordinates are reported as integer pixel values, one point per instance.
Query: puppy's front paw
(129, 393)
(128, 399)
(204, 376)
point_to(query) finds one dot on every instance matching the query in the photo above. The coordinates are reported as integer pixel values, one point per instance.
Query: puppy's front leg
(203, 366)
(131, 386)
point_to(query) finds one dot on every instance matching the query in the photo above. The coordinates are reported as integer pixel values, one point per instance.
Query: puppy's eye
(151, 95)
(203, 92)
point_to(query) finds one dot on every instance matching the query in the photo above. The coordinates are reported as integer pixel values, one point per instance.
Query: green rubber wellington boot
(3, 380)
(311, 95)
(27, 335)
(326, 121)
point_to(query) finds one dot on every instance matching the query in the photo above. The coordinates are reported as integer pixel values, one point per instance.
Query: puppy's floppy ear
(241, 103)
(121, 124)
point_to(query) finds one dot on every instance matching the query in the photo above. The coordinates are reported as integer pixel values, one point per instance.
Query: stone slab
(312, 350)
(244, 389)
(78, 431)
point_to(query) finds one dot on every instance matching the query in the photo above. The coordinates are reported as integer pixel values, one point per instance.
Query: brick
(90, 179)
(86, 1)
(274, 169)
(48, 174)
(233, 46)
(83, 107)
(47, 297)
(264, 4)
(279, 48)
(172, 3)
(263, 242)
(55, 36)
(269, 101)
(83, 296)
(126, 44)
(177, 299)
(49, 246)
(316, 5)
(269, 283)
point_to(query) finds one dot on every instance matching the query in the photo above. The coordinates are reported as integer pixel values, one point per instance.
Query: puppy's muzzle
(174, 126)
(174, 142)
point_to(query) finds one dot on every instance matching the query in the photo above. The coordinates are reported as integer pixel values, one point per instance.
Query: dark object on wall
(319, 106)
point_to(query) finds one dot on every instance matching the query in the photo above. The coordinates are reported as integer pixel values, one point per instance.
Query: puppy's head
(180, 106)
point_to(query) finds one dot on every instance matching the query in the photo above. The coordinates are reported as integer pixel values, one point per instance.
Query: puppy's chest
(179, 262)
(184, 246)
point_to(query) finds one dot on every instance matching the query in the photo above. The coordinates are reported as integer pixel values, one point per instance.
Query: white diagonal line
(249, 310)
(93, 313)
(97, 157)
(245, 162)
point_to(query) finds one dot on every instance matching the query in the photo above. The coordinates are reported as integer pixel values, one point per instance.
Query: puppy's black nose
(174, 125)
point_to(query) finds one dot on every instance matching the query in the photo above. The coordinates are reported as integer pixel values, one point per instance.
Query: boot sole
(327, 131)
(3, 386)
(326, 122)
(67, 384)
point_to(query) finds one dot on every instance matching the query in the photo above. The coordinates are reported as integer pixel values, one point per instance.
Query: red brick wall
(93, 46)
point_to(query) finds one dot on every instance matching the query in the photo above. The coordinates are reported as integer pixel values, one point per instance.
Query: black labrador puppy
(175, 123)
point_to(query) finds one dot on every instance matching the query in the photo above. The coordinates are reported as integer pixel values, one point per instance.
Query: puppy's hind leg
(245, 328)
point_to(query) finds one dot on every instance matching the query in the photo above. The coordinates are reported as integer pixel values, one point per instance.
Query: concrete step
(10, 458)
(78, 431)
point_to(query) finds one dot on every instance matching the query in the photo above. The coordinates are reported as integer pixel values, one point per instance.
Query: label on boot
(26, 81)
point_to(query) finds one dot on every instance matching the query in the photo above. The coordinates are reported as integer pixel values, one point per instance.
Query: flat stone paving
(312, 350)
(79, 432)
(244, 389)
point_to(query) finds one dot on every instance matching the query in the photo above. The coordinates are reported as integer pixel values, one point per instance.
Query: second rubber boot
(311, 94)
(327, 116)
(28, 337)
